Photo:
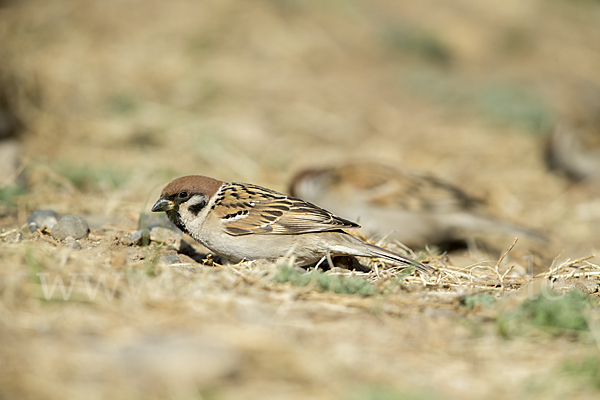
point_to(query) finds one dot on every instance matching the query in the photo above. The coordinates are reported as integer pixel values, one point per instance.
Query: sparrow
(413, 208)
(241, 221)
(572, 147)
(574, 152)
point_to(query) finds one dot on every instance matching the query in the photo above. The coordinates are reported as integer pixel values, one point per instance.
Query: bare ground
(117, 98)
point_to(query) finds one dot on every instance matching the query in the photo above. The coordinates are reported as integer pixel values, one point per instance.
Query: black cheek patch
(196, 208)
(174, 217)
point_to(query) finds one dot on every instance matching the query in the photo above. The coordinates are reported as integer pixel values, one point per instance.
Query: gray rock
(70, 225)
(125, 239)
(141, 237)
(72, 243)
(42, 219)
(166, 236)
(169, 259)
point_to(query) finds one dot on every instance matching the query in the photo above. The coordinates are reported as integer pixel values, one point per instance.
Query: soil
(108, 101)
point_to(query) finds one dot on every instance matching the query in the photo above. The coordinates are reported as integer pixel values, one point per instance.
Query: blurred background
(118, 97)
(103, 102)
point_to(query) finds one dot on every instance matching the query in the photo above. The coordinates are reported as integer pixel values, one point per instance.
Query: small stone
(125, 239)
(42, 219)
(72, 243)
(96, 235)
(141, 237)
(169, 259)
(166, 236)
(70, 225)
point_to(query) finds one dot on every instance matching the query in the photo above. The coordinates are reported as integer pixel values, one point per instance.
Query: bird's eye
(183, 195)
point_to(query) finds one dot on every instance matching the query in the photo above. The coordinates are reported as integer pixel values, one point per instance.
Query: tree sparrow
(240, 221)
(574, 153)
(412, 208)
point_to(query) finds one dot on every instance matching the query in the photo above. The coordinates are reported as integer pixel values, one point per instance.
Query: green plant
(514, 106)
(419, 42)
(325, 282)
(379, 392)
(478, 300)
(121, 104)
(563, 312)
(9, 193)
(587, 369)
(151, 260)
(550, 311)
(34, 266)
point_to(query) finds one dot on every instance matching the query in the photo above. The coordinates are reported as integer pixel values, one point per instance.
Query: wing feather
(384, 186)
(246, 209)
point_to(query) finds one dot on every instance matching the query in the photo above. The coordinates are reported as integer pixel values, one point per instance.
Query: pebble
(42, 219)
(166, 236)
(169, 259)
(141, 237)
(70, 225)
(72, 243)
(125, 239)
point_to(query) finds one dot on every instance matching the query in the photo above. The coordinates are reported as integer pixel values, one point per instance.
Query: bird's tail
(364, 249)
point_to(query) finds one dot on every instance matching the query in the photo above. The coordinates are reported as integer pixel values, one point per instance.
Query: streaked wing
(385, 186)
(247, 209)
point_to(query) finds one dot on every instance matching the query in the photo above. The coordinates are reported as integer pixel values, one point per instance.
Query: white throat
(192, 222)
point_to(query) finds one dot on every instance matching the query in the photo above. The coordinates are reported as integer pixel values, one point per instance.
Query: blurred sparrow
(411, 208)
(573, 145)
(574, 152)
(240, 221)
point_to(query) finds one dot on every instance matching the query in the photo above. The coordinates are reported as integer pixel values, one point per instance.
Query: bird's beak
(163, 205)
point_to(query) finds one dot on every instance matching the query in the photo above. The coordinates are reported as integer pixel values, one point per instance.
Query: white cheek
(194, 223)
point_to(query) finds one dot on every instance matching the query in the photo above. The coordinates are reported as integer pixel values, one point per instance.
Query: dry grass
(118, 98)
